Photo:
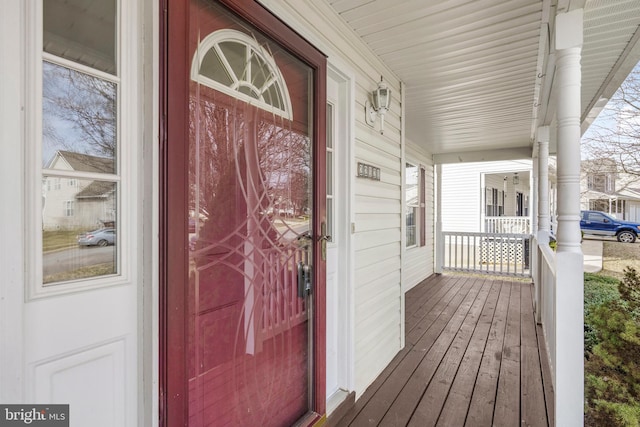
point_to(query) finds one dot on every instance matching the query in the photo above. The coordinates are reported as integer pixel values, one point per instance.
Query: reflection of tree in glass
(283, 154)
(239, 152)
(285, 157)
(79, 112)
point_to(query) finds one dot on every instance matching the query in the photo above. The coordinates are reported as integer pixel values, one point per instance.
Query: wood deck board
(424, 315)
(475, 358)
(433, 398)
(455, 408)
(419, 294)
(451, 342)
(483, 398)
(507, 408)
(437, 320)
(533, 410)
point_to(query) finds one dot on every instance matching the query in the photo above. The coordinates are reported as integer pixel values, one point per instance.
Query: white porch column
(534, 196)
(533, 242)
(439, 255)
(543, 223)
(569, 318)
(543, 184)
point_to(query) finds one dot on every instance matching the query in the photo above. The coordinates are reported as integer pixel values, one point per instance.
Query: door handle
(304, 279)
(324, 238)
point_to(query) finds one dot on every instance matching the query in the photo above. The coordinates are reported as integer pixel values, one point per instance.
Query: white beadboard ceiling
(474, 69)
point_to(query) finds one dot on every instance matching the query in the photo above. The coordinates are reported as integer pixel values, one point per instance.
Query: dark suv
(601, 224)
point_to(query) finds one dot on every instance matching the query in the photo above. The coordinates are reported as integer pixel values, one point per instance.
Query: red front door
(242, 270)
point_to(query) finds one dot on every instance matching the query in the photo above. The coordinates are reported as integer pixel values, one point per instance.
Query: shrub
(612, 371)
(597, 291)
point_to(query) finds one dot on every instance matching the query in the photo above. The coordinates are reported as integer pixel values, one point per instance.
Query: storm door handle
(304, 279)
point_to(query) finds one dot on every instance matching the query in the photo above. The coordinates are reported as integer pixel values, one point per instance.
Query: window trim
(330, 192)
(415, 207)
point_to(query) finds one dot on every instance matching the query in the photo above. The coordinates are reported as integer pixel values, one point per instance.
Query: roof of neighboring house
(626, 194)
(629, 193)
(97, 189)
(85, 162)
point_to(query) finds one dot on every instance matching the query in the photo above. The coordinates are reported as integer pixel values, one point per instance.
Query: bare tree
(615, 136)
(79, 112)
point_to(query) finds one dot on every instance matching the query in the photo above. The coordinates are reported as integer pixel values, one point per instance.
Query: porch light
(381, 98)
(516, 179)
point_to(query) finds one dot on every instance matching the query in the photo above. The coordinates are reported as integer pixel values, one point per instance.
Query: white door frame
(341, 93)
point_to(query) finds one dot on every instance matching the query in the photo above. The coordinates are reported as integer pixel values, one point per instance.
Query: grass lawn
(616, 256)
(82, 273)
(59, 239)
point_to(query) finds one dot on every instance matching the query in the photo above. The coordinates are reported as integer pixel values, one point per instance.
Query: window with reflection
(79, 149)
(330, 170)
(412, 200)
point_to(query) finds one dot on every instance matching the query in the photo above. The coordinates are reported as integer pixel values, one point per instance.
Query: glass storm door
(250, 214)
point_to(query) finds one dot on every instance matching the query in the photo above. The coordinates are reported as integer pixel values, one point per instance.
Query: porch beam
(569, 321)
(515, 153)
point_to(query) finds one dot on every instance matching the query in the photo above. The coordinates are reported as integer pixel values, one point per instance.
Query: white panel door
(82, 248)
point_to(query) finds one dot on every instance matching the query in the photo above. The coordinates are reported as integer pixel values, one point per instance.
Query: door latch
(324, 238)
(304, 279)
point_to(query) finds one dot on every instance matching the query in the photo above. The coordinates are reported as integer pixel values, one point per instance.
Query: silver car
(101, 237)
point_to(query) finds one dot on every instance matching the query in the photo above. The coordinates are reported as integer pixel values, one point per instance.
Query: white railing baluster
(491, 253)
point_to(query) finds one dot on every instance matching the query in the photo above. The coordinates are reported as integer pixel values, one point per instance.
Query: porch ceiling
(472, 68)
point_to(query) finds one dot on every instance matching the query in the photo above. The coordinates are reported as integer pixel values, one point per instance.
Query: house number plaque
(368, 171)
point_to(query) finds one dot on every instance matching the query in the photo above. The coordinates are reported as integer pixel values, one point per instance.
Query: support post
(542, 233)
(569, 317)
(534, 196)
(543, 184)
(533, 231)
(439, 255)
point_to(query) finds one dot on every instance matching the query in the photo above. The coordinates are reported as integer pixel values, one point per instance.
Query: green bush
(597, 291)
(612, 388)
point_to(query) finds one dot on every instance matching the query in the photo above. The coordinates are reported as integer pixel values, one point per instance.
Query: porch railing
(507, 224)
(503, 254)
(546, 290)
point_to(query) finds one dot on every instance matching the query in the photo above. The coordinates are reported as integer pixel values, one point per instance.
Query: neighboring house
(492, 196)
(74, 203)
(309, 138)
(475, 195)
(604, 188)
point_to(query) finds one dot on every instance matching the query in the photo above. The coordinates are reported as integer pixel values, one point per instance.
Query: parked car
(600, 224)
(100, 237)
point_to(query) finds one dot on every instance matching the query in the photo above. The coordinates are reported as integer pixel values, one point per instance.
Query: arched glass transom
(236, 64)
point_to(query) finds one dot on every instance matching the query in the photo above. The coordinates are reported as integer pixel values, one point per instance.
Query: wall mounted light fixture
(516, 179)
(381, 98)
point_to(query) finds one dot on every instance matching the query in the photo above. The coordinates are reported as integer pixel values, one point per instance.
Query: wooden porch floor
(473, 357)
